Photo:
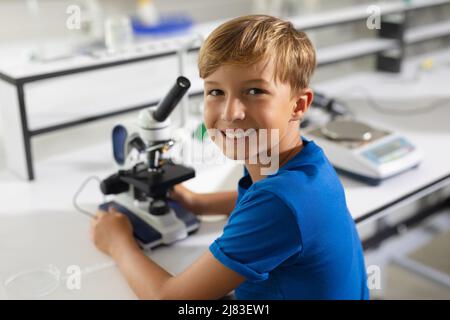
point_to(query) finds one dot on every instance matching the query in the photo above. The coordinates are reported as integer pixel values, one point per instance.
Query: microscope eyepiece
(183, 82)
(170, 101)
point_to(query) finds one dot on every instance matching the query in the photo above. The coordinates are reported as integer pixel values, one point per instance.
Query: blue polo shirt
(291, 235)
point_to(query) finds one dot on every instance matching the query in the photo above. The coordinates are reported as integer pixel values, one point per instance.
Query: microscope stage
(158, 182)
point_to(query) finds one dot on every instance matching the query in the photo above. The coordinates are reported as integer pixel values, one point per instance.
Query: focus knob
(159, 207)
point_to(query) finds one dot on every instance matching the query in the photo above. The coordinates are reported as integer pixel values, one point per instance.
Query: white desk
(429, 131)
(38, 225)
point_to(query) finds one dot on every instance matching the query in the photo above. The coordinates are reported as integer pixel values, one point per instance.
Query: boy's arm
(217, 202)
(204, 203)
(206, 278)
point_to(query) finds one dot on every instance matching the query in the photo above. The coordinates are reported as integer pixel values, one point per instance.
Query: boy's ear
(302, 103)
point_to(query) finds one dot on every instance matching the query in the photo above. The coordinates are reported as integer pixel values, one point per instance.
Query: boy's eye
(255, 91)
(215, 92)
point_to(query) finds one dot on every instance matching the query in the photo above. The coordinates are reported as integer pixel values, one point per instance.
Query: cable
(77, 193)
(395, 112)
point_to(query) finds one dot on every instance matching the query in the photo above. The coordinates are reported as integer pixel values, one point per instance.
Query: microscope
(146, 174)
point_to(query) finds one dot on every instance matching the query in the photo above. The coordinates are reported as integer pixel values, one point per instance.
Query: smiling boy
(289, 234)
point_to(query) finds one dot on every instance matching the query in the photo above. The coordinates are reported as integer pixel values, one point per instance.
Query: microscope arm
(153, 125)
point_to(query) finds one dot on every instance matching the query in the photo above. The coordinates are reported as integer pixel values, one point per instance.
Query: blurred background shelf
(354, 49)
(427, 32)
(32, 76)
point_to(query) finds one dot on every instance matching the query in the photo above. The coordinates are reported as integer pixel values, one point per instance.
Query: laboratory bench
(39, 226)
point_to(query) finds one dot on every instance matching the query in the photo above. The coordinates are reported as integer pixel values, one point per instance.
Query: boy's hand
(111, 232)
(185, 197)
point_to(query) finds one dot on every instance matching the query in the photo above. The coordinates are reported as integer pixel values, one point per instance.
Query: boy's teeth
(237, 134)
(234, 135)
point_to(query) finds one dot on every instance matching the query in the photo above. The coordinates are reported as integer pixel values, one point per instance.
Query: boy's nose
(234, 110)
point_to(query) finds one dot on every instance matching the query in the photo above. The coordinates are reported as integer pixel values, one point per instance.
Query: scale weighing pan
(349, 130)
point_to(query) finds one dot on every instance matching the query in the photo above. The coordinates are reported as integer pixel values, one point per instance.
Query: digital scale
(363, 152)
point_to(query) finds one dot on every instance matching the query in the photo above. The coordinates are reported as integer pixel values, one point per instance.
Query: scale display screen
(388, 151)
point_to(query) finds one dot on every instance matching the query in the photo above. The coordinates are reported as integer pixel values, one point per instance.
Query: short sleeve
(261, 233)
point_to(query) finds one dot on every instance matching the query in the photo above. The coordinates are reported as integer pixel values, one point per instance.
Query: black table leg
(25, 131)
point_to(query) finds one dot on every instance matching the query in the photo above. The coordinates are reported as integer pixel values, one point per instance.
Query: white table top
(39, 227)
(430, 131)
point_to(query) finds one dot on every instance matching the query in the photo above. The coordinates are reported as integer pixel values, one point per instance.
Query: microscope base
(146, 235)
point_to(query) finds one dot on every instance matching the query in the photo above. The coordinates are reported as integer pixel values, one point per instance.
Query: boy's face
(238, 97)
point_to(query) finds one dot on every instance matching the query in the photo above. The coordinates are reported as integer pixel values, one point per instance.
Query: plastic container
(167, 25)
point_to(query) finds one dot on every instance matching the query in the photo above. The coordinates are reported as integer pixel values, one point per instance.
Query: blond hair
(249, 39)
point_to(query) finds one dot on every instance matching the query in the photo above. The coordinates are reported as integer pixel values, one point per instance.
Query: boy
(289, 233)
